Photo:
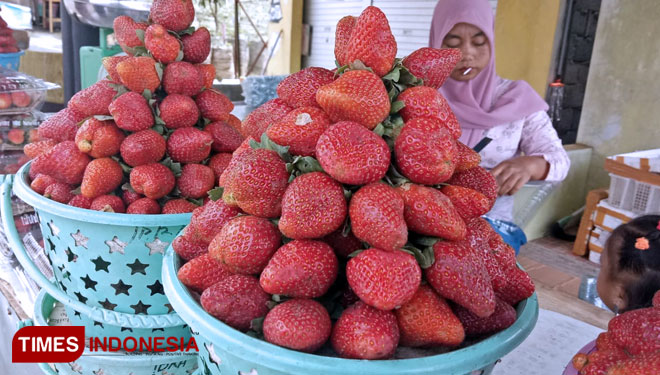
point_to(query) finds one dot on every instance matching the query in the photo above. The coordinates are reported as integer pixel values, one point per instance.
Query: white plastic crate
(636, 196)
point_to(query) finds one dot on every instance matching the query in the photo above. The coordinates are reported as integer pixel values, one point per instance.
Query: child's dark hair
(635, 247)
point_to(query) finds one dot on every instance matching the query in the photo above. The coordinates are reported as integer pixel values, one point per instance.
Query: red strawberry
(300, 269)
(129, 196)
(427, 320)
(5, 101)
(384, 279)
(175, 15)
(519, 287)
(648, 363)
(110, 65)
(132, 112)
(256, 123)
(433, 65)
(312, 207)
(299, 89)
(656, 299)
(102, 176)
(478, 179)
(98, 138)
(243, 147)
(357, 95)
(255, 181)
(503, 317)
(33, 136)
(459, 275)
(108, 203)
(178, 111)
(189, 145)
(422, 101)
(187, 248)
(343, 245)
(371, 42)
(342, 36)
(178, 206)
(208, 220)
(605, 341)
(195, 180)
(214, 105)
(144, 206)
(376, 212)
(16, 136)
(352, 154)
(637, 331)
(469, 203)
(139, 74)
(218, 163)
(32, 150)
(299, 324)
(202, 272)
(364, 332)
(64, 162)
(599, 362)
(182, 78)
(225, 138)
(235, 123)
(466, 158)
(425, 151)
(502, 252)
(208, 73)
(196, 46)
(236, 300)
(143, 147)
(579, 361)
(62, 126)
(80, 201)
(245, 244)
(495, 271)
(429, 212)
(300, 129)
(59, 192)
(21, 99)
(125, 33)
(93, 100)
(163, 46)
(41, 182)
(153, 180)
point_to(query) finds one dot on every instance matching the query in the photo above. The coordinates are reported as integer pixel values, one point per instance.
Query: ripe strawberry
(178, 111)
(519, 287)
(383, 279)
(178, 206)
(144, 206)
(5, 101)
(422, 101)
(236, 300)
(182, 78)
(357, 95)
(342, 36)
(129, 196)
(21, 99)
(62, 126)
(427, 320)
(214, 105)
(143, 147)
(371, 42)
(110, 65)
(64, 162)
(195, 180)
(287, 272)
(478, 179)
(352, 154)
(139, 74)
(599, 362)
(202, 272)
(469, 203)
(125, 34)
(255, 181)
(579, 361)
(299, 89)
(163, 46)
(256, 123)
(495, 271)
(432, 65)
(152, 180)
(108, 203)
(343, 245)
(636, 331)
(300, 129)
(656, 299)
(218, 163)
(605, 341)
(189, 145)
(93, 100)
(81, 201)
(245, 244)
(364, 332)
(459, 275)
(299, 324)
(208, 220)
(312, 207)
(466, 158)
(188, 249)
(132, 112)
(102, 176)
(41, 182)
(33, 136)
(377, 217)
(59, 192)
(503, 317)
(429, 212)
(502, 252)
(196, 46)
(225, 138)
(98, 138)
(175, 15)
(16, 136)
(242, 148)
(32, 150)
(648, 363)
(425, 151)
(208, 73)
(235, 123)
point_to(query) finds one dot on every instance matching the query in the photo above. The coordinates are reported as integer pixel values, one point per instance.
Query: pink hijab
(472, 101)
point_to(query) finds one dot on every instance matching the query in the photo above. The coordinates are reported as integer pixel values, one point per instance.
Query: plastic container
(257, 90)
(11, 60)
(636, 196)
(223, 350)
(17, 130)
(21, 93)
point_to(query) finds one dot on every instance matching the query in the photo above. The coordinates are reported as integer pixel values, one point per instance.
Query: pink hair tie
(642, 243)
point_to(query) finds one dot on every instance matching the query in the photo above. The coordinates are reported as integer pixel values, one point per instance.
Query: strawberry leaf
(379, 129)
(216, 193)
(198, 202)
(355, 253)
(159, 128)
(140, 51)
(76, 191)
(347, 194)
(425, 258)
(147, 95)
(172, 165)
(127, 187)
(187, 31)
(268, 144)
(359, 65)
(103, 117)
(159, 70)
(179, 57)
(140, 34)
(396, 106)
(393, 75)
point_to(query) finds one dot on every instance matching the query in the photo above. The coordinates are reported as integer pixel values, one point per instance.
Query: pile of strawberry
(351, 213)
(152, 138)
(630, 346)
(7, 40)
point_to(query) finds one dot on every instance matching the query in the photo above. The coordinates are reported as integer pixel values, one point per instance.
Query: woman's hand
(512, 174)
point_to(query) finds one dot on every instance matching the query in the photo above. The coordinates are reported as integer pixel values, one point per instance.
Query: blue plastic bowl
(11, 60)
(224, 350)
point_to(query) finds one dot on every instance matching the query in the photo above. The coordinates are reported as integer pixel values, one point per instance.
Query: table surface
(566, 304)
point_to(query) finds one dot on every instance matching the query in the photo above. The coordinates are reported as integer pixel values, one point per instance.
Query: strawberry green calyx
(425, 257)
(395, 178)
(216, 193)
(173, 166)
(268, 144)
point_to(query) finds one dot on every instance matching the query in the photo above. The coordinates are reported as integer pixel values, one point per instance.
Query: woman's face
(474, 46)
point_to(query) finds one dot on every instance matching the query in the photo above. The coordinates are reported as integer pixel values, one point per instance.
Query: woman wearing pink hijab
(525, 146)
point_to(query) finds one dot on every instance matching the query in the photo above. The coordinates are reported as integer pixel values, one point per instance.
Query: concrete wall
(620, 111)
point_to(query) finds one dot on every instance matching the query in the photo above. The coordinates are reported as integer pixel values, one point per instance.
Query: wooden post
(237, 43)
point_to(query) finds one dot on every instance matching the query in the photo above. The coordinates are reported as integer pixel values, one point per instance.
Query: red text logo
(48, 344)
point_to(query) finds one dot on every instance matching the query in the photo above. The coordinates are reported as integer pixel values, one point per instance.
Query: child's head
(630, 265)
